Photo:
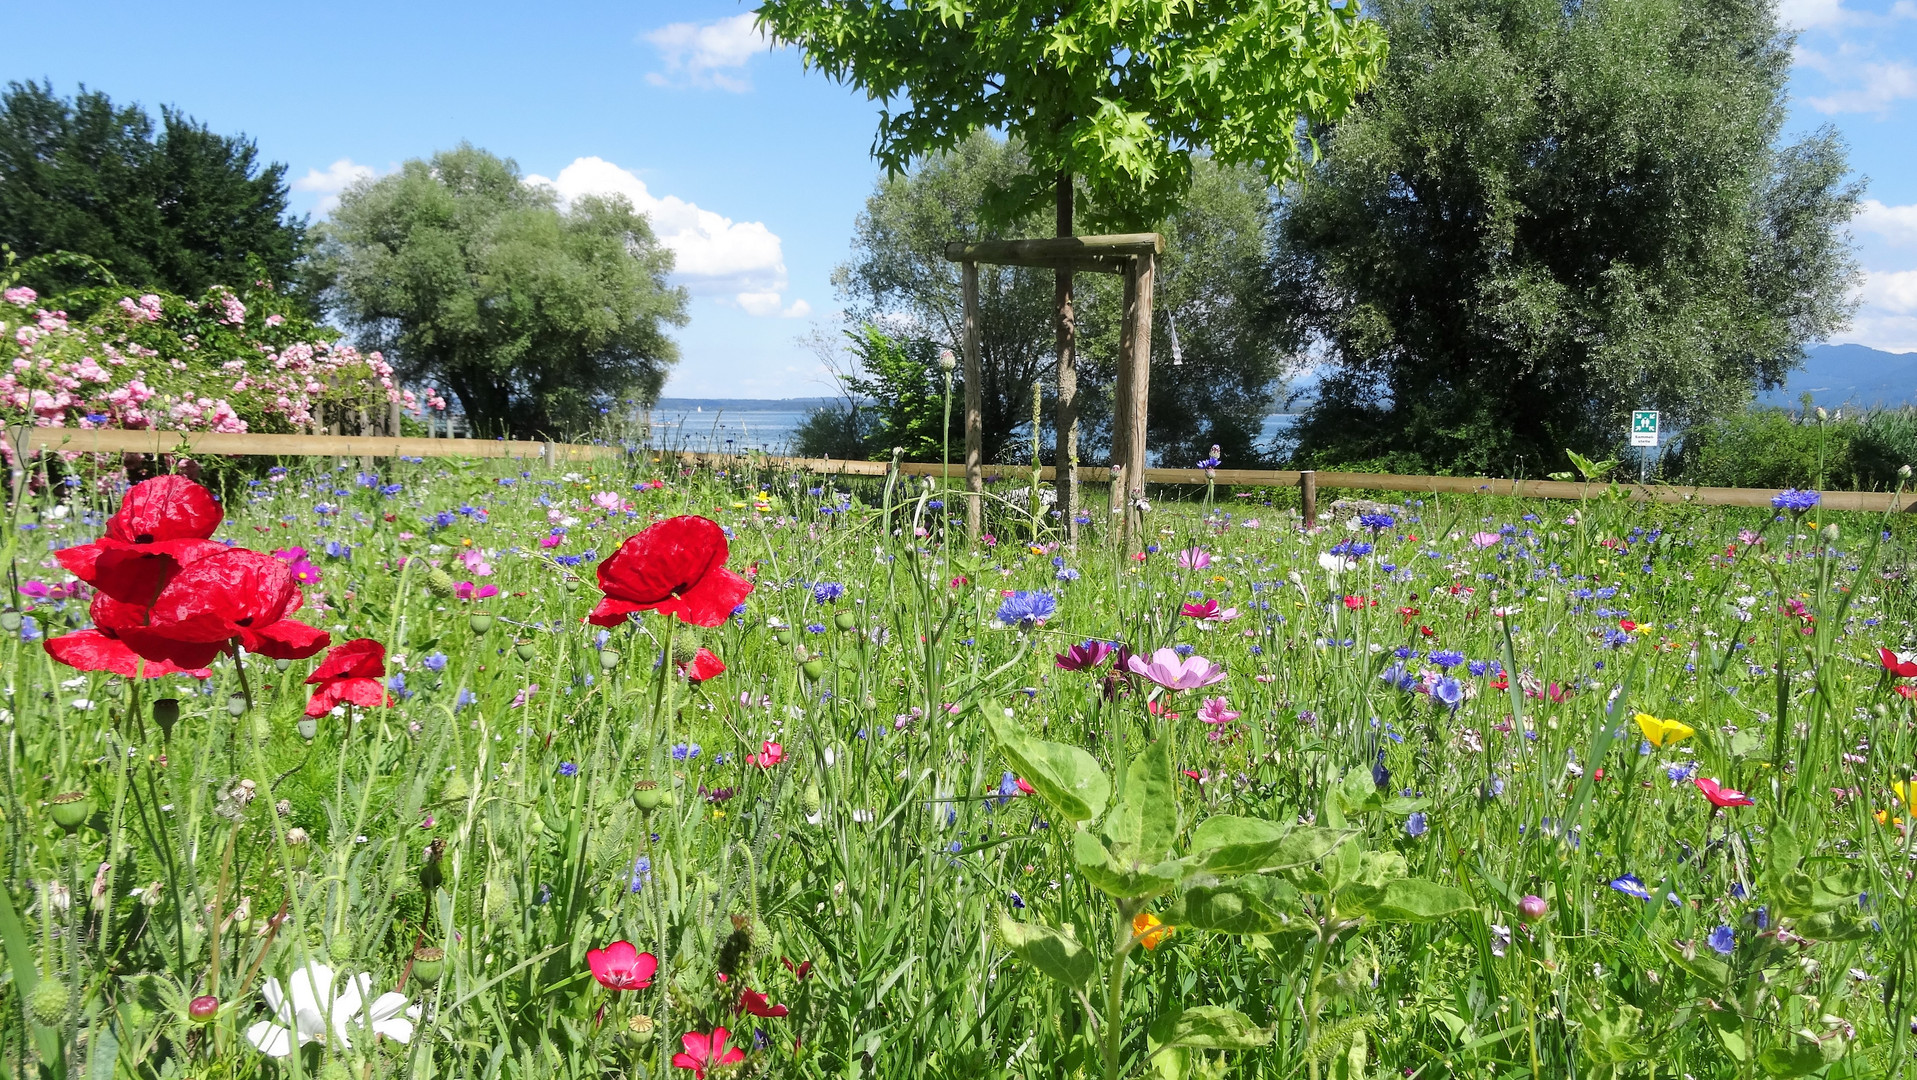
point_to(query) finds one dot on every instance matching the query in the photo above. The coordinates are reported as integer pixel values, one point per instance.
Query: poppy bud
(479, 622)
(684, 651)
(1903, 472)
(71, 809)
(166, 713)
(1830, 534)
(608, 659)
(814, 800)
(430, 874)
(845, 620)
(429, 964)
(236, 705)
(440, 583)
(339, 945)
(203, 1009)
(48, 1004)
(525, 649)
(10, 621)
(813, 670)
(1533, 908)
(455, 787)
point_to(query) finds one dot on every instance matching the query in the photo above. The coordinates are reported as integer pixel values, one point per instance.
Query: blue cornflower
(1405, 652)
(935, 504)
(29, 628)
(1448, 692)
(1211, 462)
(367, 480)
(1677, 774)
(1182, 650)
(435, 661)
(1007, 789)
(1796, 500)
(443, 519)
(1351, 549)
(466, 697)
(827, 591)
(1722, 939)
(1015, 900)
(641, 872)
(1066, 573)
(397, 684)
(1377, 523)
(1616, 639)
(337, 550)
(1477, 668)
(1415, 824)
(389, 490)
(815, 628)
(1447, 658)
(1027, 609)
(1630, 886)
(1397, 676)
(567, 768)
(685, 751)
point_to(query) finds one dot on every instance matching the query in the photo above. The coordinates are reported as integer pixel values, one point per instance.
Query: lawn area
(1452, 786)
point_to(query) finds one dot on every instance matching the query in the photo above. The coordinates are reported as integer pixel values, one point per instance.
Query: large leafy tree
(171, 206)
(1546, 215)
(536, 317)
(1116, 97)
(898, 286)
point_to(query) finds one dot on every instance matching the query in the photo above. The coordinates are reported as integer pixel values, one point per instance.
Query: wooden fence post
(1140, 359)
(1308, 487)
(974, 403)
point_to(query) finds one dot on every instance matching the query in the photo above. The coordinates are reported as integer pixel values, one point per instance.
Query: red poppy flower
(162, 524)
(706, 1052)
(234, 596)
(705, 665)
(755, 1003)
(1721, 796)
(350, 673)
(102, 650)
(619, 966)
(676, 567)
(1902, 665)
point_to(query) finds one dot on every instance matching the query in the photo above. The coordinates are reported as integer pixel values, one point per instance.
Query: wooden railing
(103, 440)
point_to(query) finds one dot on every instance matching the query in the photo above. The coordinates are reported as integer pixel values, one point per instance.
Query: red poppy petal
(287, 639)
(186, 654)
(358, 658)
(323, 700)
(705, 665)
(136, 572)
(663, 561)
(612, 612)
(222, 595)
(165, 508)
(79, 560)
(711, 600)
(366, 692)
(91, 650)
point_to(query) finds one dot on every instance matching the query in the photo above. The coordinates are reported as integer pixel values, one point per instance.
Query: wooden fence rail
(104, 440)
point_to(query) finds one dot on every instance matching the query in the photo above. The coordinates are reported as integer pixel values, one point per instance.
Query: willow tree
(1109, 99)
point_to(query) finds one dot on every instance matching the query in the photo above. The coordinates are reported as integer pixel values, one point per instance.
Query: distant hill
(1850, 375)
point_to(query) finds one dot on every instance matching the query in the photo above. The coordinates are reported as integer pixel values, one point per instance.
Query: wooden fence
(1310, 482)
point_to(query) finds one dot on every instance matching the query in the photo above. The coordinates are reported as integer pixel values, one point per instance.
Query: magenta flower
(1079, 657)
(1485, 539)
(1208, 611)
(466, 590)
(1217, 712)
(474, 560)
(1193, 559)
(1173, 672)
(303, 569)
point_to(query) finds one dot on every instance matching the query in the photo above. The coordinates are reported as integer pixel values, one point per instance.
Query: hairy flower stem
(1122, 942)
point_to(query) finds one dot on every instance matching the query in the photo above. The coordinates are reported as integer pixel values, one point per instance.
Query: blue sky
(752, 169)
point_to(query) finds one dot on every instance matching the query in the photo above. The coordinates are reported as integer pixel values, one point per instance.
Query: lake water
(711, 426)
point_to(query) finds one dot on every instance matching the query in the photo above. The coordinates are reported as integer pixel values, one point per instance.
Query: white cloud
(1811, 14)
(1861, 86)
(1897, 224)
(1893, 291)
(740, 262)
(338, 176)
(707, 54)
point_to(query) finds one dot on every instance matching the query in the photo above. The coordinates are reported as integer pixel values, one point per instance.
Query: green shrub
(1764, 448)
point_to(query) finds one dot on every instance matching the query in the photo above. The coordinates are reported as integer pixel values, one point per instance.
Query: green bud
(525, 649)
(608, 659)
(783, 637)
(282, 665)
(71, 809)
(48, 1004)
(813, 670)
(814, 799)
(307, 727)
(572, 584)
(684, 649)
(455, 787)
(236, 705)
(845, 620)
(339, 945)
(166, 713)
(11, 620)
(440, 583)
(479, 622)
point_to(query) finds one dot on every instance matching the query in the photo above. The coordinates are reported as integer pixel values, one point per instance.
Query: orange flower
(1149, 931)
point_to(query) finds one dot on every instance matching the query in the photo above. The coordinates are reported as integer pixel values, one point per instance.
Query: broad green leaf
(1050, 951)
(1730, 1031)
(1708, 968)
(1214, 1027)
(1793, 1059)
(1124, 880)
(1241, 845)
(1247, 905)
(1418, 900)
(1610, 1036)
(1836, 926)
(1141, 829)
(1065, 776)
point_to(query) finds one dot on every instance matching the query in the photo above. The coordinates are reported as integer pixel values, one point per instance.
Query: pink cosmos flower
(770, 754)
(1194, 559)
(1720, 796)
(1485, 539)
(1208, 612)
(610, 502)
(466, 590)
(474, 560)
(552, 540)
(1173, 672)
(1217, 712)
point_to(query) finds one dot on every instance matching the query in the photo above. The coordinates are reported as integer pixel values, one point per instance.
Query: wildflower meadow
(455, 769)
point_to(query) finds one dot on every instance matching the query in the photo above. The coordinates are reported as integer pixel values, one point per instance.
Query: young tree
(538, 319)
(179, 208)
(1546, 215)
(1115, 96)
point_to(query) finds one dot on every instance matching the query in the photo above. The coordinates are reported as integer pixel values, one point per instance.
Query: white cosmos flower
(318, 1010)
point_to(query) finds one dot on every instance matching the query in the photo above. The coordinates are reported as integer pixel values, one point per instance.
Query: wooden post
(1065, 444)
(1122, 474)
(1308, 488)
(394, 414)
(1140, 359)
(974, 404)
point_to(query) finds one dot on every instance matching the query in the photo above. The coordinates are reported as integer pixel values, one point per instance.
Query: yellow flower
(1907, 791)
(1149, 931)
(1663, 732)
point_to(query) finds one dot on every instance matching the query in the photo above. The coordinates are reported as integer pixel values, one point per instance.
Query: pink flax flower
(706, 1052)
(1173, 672)
(770, 754)
(619, 966)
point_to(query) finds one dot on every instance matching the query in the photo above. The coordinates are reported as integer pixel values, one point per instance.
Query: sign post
(1644, 434)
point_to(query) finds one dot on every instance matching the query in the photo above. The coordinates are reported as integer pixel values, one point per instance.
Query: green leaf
(1610, 1036)
(1123, 880)
(1418, 900)
(1710, 969)
(1142, 827)
(1214, 1027)
(1050, 951)
(1836, 926)
(1065, 776)
(1730, 1031)
(26, 975)
(1241, 845)
(1248, 905)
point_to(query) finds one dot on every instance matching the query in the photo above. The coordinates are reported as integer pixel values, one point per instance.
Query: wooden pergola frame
(1135, 257)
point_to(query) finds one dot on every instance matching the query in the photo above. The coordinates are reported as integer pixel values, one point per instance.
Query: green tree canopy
(173, 207)
(536, 318)
(1546, 215)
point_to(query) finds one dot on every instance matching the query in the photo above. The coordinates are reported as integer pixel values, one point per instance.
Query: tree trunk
(1065, 452)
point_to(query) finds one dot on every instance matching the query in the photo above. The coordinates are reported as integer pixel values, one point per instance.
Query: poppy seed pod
(166, 713)
(783, 637)
(684, 649)
(813, 670)
(608, 659)
(479, 622)
(307, 727)
(572, 585)
(429, 964)
(70, 809)
(845, 620)
(648, 795)
(282, 664)
(525, 649)
(236, 705)
(10, 621)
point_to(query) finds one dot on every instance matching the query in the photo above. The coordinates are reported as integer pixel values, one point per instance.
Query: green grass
(882, 851)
